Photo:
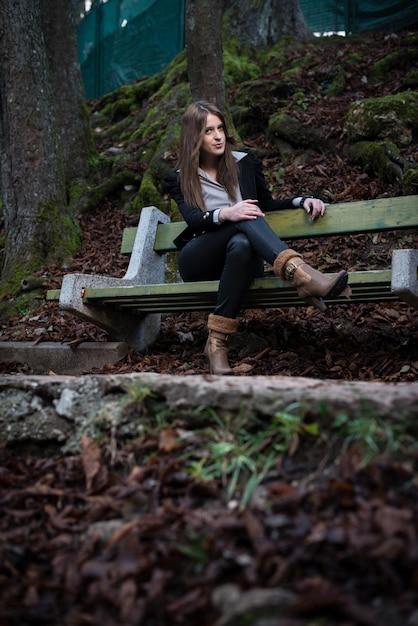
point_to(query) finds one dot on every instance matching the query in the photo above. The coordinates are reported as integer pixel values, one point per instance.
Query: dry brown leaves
(138, 541)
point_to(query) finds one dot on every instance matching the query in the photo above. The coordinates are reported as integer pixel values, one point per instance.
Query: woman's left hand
(314, 207)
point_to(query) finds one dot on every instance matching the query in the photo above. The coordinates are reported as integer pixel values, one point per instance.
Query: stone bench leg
(136, 331)
(145, 267)
(405, 275)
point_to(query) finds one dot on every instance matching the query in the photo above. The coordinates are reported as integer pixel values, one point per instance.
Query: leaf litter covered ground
(145, 533)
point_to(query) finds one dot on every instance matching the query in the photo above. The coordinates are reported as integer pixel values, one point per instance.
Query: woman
(222, 195)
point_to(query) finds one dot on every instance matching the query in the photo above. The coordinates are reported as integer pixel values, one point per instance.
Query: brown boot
(311, 284)
(220, 328)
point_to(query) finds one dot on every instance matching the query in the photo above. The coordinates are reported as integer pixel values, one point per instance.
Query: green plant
(302, 103)
(372, 434)
(241, 451)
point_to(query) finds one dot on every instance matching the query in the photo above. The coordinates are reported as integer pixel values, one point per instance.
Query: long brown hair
(192, 131)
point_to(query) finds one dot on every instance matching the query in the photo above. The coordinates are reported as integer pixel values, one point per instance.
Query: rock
(60, 409)
(388, 118)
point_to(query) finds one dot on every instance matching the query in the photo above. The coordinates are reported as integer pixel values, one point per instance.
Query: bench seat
(130, 308)
(267, 292)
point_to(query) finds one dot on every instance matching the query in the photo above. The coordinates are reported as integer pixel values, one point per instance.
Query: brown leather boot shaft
(217, 354)
(220, 328)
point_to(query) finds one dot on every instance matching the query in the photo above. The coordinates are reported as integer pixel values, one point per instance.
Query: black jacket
(252, 185)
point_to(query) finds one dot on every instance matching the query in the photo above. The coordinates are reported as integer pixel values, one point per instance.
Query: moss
(247, 120)
(373, 158)
(248, 93)
(354, 59)
(173, 75)
(338, 83)
(110, 186)
(19, 303)
(152, 122)
(177, 99)
(400, 59)
(137, 92)
(118, 132)
(411, 80)
(148, 195)
(272, 58)
(122, 108)
(145, 88)
(57, 238)
(101, 166)
(238, 67)
(58, 234)
(284, 127)
(76, 191)
(296, 66)
(174, 211)
(410, 181)
(393, 117)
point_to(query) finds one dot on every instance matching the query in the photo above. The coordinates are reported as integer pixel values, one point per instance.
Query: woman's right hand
(243, 210)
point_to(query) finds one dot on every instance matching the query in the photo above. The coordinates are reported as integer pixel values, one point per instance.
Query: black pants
(234, 255)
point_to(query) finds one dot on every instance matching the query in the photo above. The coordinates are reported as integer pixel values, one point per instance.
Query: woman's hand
(244, 210)
(314, 207)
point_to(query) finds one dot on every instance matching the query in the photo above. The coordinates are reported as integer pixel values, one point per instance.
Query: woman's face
(213, 143)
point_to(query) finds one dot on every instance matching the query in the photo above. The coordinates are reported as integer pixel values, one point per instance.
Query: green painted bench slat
(398, 213)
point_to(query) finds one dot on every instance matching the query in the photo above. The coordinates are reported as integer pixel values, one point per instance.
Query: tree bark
(255, 22)
(35, 162)
(204, 50)
(60, 30)
(264, 22)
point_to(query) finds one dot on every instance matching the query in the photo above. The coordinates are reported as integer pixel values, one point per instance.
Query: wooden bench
(130, 308)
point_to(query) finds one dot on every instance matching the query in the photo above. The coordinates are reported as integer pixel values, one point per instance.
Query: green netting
(121, 41)
(357, 16)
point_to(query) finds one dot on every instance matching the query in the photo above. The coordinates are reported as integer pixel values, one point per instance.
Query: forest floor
(138, 540)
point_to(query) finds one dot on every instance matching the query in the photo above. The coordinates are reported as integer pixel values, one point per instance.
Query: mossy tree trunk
(264, 22)
(60, 20)
(35, 162)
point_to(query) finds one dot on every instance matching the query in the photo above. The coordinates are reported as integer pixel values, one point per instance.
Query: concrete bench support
(405, 275)
(145, 267)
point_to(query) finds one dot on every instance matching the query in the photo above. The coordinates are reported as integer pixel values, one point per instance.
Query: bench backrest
(398, 213)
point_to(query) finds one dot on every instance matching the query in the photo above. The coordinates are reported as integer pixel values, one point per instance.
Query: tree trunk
(264, 22)
(204, 50)
(60, 20)
(255, 22)
(34, 164)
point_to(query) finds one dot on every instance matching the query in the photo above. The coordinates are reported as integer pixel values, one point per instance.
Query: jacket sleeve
(252, 167)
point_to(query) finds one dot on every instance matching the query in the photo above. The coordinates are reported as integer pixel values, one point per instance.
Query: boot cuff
(221, 324)
(279, 265)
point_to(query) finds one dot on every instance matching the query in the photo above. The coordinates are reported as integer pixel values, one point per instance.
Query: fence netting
(120, 41)
(356, 16)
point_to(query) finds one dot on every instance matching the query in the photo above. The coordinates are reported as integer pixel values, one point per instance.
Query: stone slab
(49, 356)
(60, 409)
